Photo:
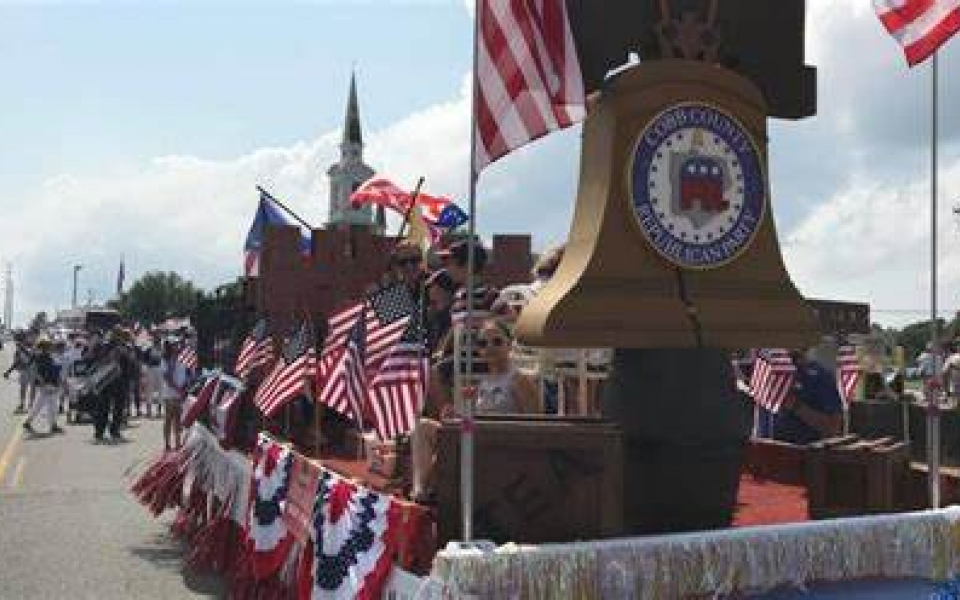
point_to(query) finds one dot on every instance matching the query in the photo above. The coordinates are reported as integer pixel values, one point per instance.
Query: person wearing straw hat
(47, 383)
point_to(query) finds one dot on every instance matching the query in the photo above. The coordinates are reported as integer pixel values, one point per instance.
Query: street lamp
(76, 270)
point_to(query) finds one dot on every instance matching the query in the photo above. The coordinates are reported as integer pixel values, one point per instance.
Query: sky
(139, 129)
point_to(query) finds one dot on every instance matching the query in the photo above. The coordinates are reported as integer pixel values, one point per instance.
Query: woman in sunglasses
(503, 389)
(406, 263)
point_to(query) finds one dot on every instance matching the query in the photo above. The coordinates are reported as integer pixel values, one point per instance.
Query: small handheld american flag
(773, 375)
(398, 391)
(356, 352)
(290, 375)
(188, 358)
(256, 350)
(848, 372)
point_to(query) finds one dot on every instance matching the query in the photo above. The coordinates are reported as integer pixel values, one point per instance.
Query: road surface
(69, 528)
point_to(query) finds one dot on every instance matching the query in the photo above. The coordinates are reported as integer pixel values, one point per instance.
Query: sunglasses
(496, 342)
(408, 261)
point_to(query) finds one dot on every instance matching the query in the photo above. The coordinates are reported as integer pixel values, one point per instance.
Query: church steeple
(351, 124)
(347, 174)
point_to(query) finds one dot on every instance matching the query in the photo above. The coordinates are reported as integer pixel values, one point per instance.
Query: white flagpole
(933, 408)
(467, 407)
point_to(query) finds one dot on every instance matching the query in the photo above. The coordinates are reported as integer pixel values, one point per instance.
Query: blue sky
(104, 86)
(140, 129)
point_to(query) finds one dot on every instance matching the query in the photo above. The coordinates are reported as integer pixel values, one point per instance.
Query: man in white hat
(47, 380)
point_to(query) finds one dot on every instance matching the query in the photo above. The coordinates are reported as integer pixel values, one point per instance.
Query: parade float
(672, 260)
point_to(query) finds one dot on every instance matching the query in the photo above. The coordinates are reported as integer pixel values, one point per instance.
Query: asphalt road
(69, 528)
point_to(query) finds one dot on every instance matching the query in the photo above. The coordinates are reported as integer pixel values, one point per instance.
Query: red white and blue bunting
(353, 538)
(272, 533)
(268, 539)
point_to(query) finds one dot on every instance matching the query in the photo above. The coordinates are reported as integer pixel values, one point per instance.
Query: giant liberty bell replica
(673, 259)
(673, 243)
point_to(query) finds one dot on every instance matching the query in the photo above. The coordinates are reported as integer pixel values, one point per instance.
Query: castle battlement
(343, 264)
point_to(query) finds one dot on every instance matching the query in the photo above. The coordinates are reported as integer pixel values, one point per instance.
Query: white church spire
(347, 174)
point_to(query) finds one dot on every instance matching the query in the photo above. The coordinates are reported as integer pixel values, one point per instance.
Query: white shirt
(952, 368)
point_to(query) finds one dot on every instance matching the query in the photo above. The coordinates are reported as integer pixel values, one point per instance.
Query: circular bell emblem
(698, 188)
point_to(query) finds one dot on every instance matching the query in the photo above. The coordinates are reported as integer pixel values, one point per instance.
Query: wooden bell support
(613, 287)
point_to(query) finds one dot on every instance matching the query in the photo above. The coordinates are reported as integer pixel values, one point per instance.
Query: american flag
(399, 387)
(224, 406)
(198, 400)
(292, 372)
(773, 374)
(529, 81)
(382, 191)
(848, 372)
(188, 358)
(356, 350)
(919, 26)
(256, 350)
(397, 392)
(440, 214)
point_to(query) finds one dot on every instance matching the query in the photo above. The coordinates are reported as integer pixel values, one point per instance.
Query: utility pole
(8, 298)
(76, 270)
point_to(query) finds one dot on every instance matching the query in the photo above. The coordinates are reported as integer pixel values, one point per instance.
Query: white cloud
(871, 242)
(190, 215)
(849, 186)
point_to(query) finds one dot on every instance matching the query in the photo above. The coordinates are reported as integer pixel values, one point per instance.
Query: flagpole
(467, 407)
(285, 208)
(933, 407)
(413, 203)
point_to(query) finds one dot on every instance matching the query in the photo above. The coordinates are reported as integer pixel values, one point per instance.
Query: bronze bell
(673, 150)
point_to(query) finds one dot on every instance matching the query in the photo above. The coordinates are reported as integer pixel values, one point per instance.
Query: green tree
(222, 320)
(157, 296)
(914, 337)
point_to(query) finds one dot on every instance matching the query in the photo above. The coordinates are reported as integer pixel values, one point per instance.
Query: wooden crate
(849, 476)
(536, 480)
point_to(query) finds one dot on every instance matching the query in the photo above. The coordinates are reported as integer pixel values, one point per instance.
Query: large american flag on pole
(382, 191)
(288, 378)
(529, 81)
(256, 350)
(772, 379)
(919, 26)
(848, 372)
